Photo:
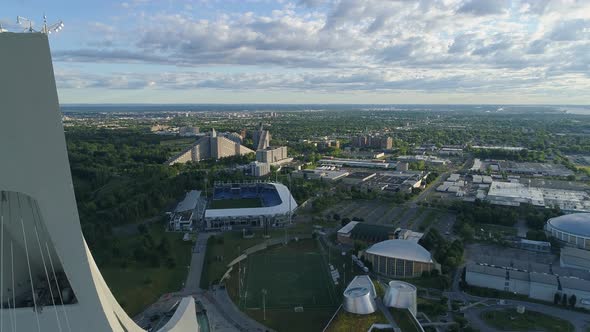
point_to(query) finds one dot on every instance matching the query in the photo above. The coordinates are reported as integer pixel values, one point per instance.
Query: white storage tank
(401, 295)
(359, 300)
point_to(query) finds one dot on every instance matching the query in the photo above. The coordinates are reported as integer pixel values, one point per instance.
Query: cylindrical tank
(402, 295)
(358, 300)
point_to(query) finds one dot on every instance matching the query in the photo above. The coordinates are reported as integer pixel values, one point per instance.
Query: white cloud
(327, 45)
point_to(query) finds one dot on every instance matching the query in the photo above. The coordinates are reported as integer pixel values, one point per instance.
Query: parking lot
(404, 216)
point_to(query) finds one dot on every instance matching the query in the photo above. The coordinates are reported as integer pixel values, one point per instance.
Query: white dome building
(399, 258)
(573, 229)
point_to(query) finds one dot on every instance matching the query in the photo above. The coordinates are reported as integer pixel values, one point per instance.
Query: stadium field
(235, 203)
(294, 276)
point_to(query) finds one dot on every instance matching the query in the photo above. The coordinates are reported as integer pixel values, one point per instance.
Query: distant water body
(124, 108)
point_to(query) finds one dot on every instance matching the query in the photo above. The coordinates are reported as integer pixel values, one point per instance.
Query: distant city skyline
(317, 51)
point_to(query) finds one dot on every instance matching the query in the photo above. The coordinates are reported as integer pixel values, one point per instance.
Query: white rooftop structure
(189, 202)
(509, 193)
(401, 249)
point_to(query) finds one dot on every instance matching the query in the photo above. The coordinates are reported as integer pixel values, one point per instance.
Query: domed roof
(576, 223)
(401, 249)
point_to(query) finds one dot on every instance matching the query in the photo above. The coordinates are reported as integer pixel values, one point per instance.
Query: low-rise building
(540, 286)
(259, 169)
(187, 212)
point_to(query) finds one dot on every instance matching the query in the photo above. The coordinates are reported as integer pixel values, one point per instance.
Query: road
(193, 278)
(222, 313)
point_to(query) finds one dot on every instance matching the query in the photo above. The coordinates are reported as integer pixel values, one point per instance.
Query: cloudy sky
(317, 51)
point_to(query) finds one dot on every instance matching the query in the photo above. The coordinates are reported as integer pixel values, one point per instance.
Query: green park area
(241, 203)
(510, 320)
(347, 322)
(300, 294)
(224, 248)
(147, 266)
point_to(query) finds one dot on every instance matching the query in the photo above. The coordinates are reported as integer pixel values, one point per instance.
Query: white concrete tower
(42, 249)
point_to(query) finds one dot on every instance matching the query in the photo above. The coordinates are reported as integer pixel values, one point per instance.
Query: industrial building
(537, 246)
(540, 286)
(277, 206)
(363, 163)
(187, 212)
(356, 178)
(400, 259)
(320, 174)
(209, 147)
(398, 181)
(571, 257)
(515, 193)
(430, 160)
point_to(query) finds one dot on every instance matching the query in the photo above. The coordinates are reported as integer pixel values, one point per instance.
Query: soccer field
(293, 276)
(235, 203)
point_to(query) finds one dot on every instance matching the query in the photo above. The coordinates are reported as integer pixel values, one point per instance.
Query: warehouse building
(540, 286)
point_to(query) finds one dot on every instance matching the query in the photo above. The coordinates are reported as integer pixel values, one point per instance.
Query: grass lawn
(495, 229)
(347, 322)
(510, 320)
(235, 203)
(405, 320)
(229, 245)
(137, 285)
(293, 275)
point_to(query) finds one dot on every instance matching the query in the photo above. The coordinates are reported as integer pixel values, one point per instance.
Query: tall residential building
(261, 138)
(259, 169)
(272, 155)
(210, 147)
(376, 142)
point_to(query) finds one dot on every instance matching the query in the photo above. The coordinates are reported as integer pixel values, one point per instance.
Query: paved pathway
(193, 278)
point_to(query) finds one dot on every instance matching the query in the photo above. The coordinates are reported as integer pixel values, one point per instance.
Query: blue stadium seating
(268, 194)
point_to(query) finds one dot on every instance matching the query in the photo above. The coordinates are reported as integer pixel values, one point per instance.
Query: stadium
(244, 205)
(573, 229)
(399, 259)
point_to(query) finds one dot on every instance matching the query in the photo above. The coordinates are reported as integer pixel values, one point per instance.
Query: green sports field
(293, 276)
(235, 203)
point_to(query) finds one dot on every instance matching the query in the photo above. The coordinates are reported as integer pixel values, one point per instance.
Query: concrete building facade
(210, 147)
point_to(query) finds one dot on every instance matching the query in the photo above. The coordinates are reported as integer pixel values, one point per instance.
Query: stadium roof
(401, 249)
(189, 202)
(282, 208)
(577, 223)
